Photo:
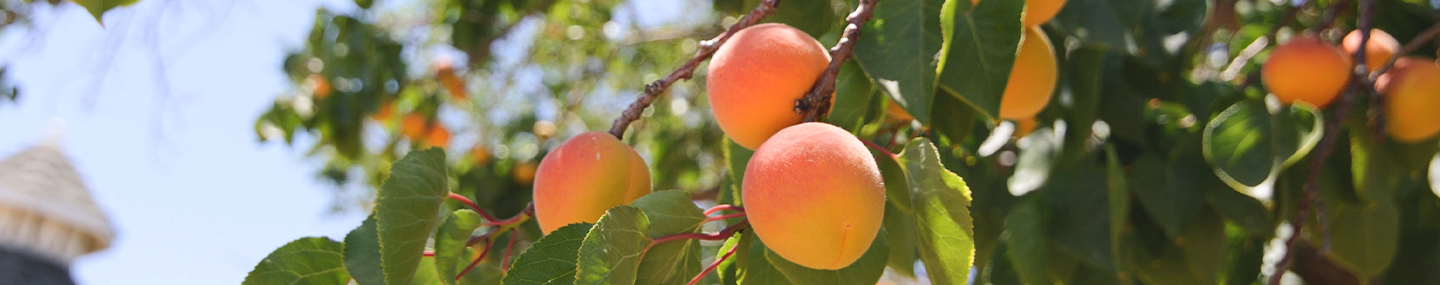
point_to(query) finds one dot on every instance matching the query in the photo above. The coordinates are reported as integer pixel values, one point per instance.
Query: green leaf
(311, 260)
(864, 271)
(978, 50)
(551, 260)
(362, 253)
(897, 184)
(898, 52)
(942, 214)
(730, 269)
(611, 251)
(1247, 142)
(1119, 202)
(1029, 244)
(757, 268)
(952, 118)
(853, 95)
(1365, 234)
(1171, 191)
(737, 157)
(1243, 210)
(812, 16)
(426, 274)
(1075, 195)
(675, 262)
(450, 242)
(406, 212)
(97, 8)
(1195, 258)
(901, 236)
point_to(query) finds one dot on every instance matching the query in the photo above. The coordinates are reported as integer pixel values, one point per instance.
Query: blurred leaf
(1365, 233)
(1172, 191)
(311, 260)
(1029, 244)
(551, 260)
(941, 202)
(1247, 142)
(98, 8)
(757, 268)
(898, 52)
(1119, 198)
(897, 183)
(865, 271)
(1243, 210)
(1075, 195)
(676, 261)
(979, 48)
(611, 251)
(450, 242)
(1195, 259)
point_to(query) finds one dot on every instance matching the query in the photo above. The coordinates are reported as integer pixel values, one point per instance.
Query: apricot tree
(865, 141)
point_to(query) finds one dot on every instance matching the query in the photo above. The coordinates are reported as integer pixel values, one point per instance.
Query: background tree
(1160, 158)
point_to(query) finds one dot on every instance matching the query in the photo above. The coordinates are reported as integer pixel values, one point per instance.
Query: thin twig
(817, 102)
(505, 263)
(724, 207)
(881, 149)
(706, 49)
(1425, 37)
(488, 245)
(473, 206)
(713, 265)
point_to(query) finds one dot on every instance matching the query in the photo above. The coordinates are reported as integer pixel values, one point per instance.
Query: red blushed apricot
(1306, 69)
(580, 179)
(814, 195)
(754, 79)
(1378, 50)
(1032, 78)
(1412, 93)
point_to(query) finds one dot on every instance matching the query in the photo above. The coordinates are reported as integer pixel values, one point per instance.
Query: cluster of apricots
(812, 192)
(1310, 70)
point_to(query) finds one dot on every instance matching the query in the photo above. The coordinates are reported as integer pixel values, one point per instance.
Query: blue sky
(195, 198)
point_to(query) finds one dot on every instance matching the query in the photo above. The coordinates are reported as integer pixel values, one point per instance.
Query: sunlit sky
(195, 198)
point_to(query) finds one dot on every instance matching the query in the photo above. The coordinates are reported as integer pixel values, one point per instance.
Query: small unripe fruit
(1032, 78)
(1306, 69)
(754, 79)
(814, 195)
(1378, 50)
(585, 176)
(1412, 93)
(1037, 11)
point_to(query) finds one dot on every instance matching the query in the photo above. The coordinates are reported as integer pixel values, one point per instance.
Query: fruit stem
(473, 206)
(505, 263)
(722, 217)
(713, 265)
(706, 49)
(723, 234)
(724, 207)
(880, 149)
(817, 101)
(489, 243)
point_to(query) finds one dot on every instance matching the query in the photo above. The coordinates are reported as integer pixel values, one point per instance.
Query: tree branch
(817, 102)
(1427, 36)
(706, 49)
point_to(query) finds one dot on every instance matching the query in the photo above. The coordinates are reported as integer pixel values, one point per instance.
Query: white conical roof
(46, 209)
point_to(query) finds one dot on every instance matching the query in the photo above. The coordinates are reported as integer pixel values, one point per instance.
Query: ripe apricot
(321, 86)
(1032, 78)
(1306, 69)
(1037, 11)
(438, 136)
(446, 74)
(585, 176)
(754, 79)
(1378, 50)
(413, 126)
(1412, 92)
(814, 195)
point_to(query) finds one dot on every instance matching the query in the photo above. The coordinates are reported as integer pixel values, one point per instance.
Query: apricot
(1037, 11)
(814, 195)
(438, 136)
(1032, 78)
(1412, 93)
(413, 126)
(585, 176)
(321, 86)
(754, 79)
(479, 155)
(383, 113)
(1378, 50)
(453, 84)
(524, 173)
(1306, 69)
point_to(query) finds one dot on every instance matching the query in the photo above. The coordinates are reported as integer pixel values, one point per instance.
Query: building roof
(47, 208)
